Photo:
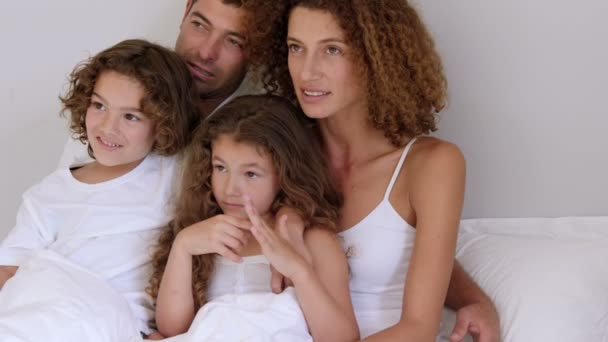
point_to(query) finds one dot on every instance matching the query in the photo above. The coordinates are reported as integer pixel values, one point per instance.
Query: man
(215, 40)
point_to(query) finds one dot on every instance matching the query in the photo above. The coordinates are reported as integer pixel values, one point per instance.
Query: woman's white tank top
(379, 248)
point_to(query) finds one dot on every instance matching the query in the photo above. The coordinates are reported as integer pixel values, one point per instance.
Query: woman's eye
(219, 168)
(294, 48)
(251, 174)
(332, 50)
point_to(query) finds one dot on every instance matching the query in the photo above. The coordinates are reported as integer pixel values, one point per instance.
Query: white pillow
(547, 277)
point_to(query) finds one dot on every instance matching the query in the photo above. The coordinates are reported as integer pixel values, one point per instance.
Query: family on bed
(320, 210)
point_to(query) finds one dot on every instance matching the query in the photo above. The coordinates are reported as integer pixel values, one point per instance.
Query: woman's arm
(476, 313)
(323, 291)
(436, 196)
(6, 273)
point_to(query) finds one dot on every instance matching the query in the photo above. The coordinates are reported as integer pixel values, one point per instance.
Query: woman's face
(325, 78)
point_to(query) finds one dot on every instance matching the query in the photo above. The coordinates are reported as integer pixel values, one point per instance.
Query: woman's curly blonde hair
(402, 72)
(168, 91)
(274, 125)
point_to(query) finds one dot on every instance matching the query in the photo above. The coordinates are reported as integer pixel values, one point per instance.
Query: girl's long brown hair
(274, 125)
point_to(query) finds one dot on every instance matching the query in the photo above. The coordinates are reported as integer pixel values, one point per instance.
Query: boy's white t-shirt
(108, 228)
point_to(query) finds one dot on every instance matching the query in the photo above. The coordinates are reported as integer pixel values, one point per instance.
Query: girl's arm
(436, 196)
(220, 234)
(321, 288)
(175, 301)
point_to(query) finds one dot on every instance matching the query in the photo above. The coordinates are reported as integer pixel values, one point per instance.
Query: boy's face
(242, 169)
(117, 130)
(211, 41)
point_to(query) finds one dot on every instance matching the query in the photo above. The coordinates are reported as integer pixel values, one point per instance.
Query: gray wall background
(528, 82)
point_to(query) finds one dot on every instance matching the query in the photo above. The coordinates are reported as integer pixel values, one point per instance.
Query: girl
(132, 105)
(247, 160)
(368, 73)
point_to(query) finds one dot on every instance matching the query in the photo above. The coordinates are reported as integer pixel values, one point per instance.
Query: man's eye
(236, 43)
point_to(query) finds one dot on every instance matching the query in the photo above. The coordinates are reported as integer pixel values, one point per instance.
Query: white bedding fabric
(253, 317)
(547, 276)
(52, 299)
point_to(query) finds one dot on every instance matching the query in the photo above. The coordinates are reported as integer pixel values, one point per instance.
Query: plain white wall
(527, 81)
(41, 43)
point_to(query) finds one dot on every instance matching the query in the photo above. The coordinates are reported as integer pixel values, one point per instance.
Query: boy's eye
(98, 105)
(131, 117)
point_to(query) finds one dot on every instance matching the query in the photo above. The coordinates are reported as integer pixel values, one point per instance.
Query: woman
(368, 73)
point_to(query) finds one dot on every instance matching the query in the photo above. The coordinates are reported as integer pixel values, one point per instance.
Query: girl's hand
(293, 232)
(281, 255)
(221, 234)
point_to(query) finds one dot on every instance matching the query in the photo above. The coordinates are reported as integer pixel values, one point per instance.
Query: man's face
(210, 41)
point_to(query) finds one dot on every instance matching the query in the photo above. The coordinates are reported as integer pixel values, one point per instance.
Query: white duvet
(52, 299)
(254, 317)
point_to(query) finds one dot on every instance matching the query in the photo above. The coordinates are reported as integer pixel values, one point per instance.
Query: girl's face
(119, 133)
(242, 169)
(321, 66)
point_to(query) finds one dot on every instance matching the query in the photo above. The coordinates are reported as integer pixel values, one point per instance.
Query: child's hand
(293, 232)
(281, 255)
(221, 234)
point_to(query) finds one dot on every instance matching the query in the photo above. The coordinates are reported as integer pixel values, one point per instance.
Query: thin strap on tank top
(398, 168)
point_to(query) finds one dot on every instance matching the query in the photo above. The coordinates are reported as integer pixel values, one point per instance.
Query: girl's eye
(251, 174)
(131, 117)
(98, 105)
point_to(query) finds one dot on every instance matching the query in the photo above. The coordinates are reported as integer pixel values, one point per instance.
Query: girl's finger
(252, 213)
(260, 236)
(227, 253)
(231, 242)
(236, 233)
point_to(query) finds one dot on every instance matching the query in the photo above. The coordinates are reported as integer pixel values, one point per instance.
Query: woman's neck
(349, 139)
